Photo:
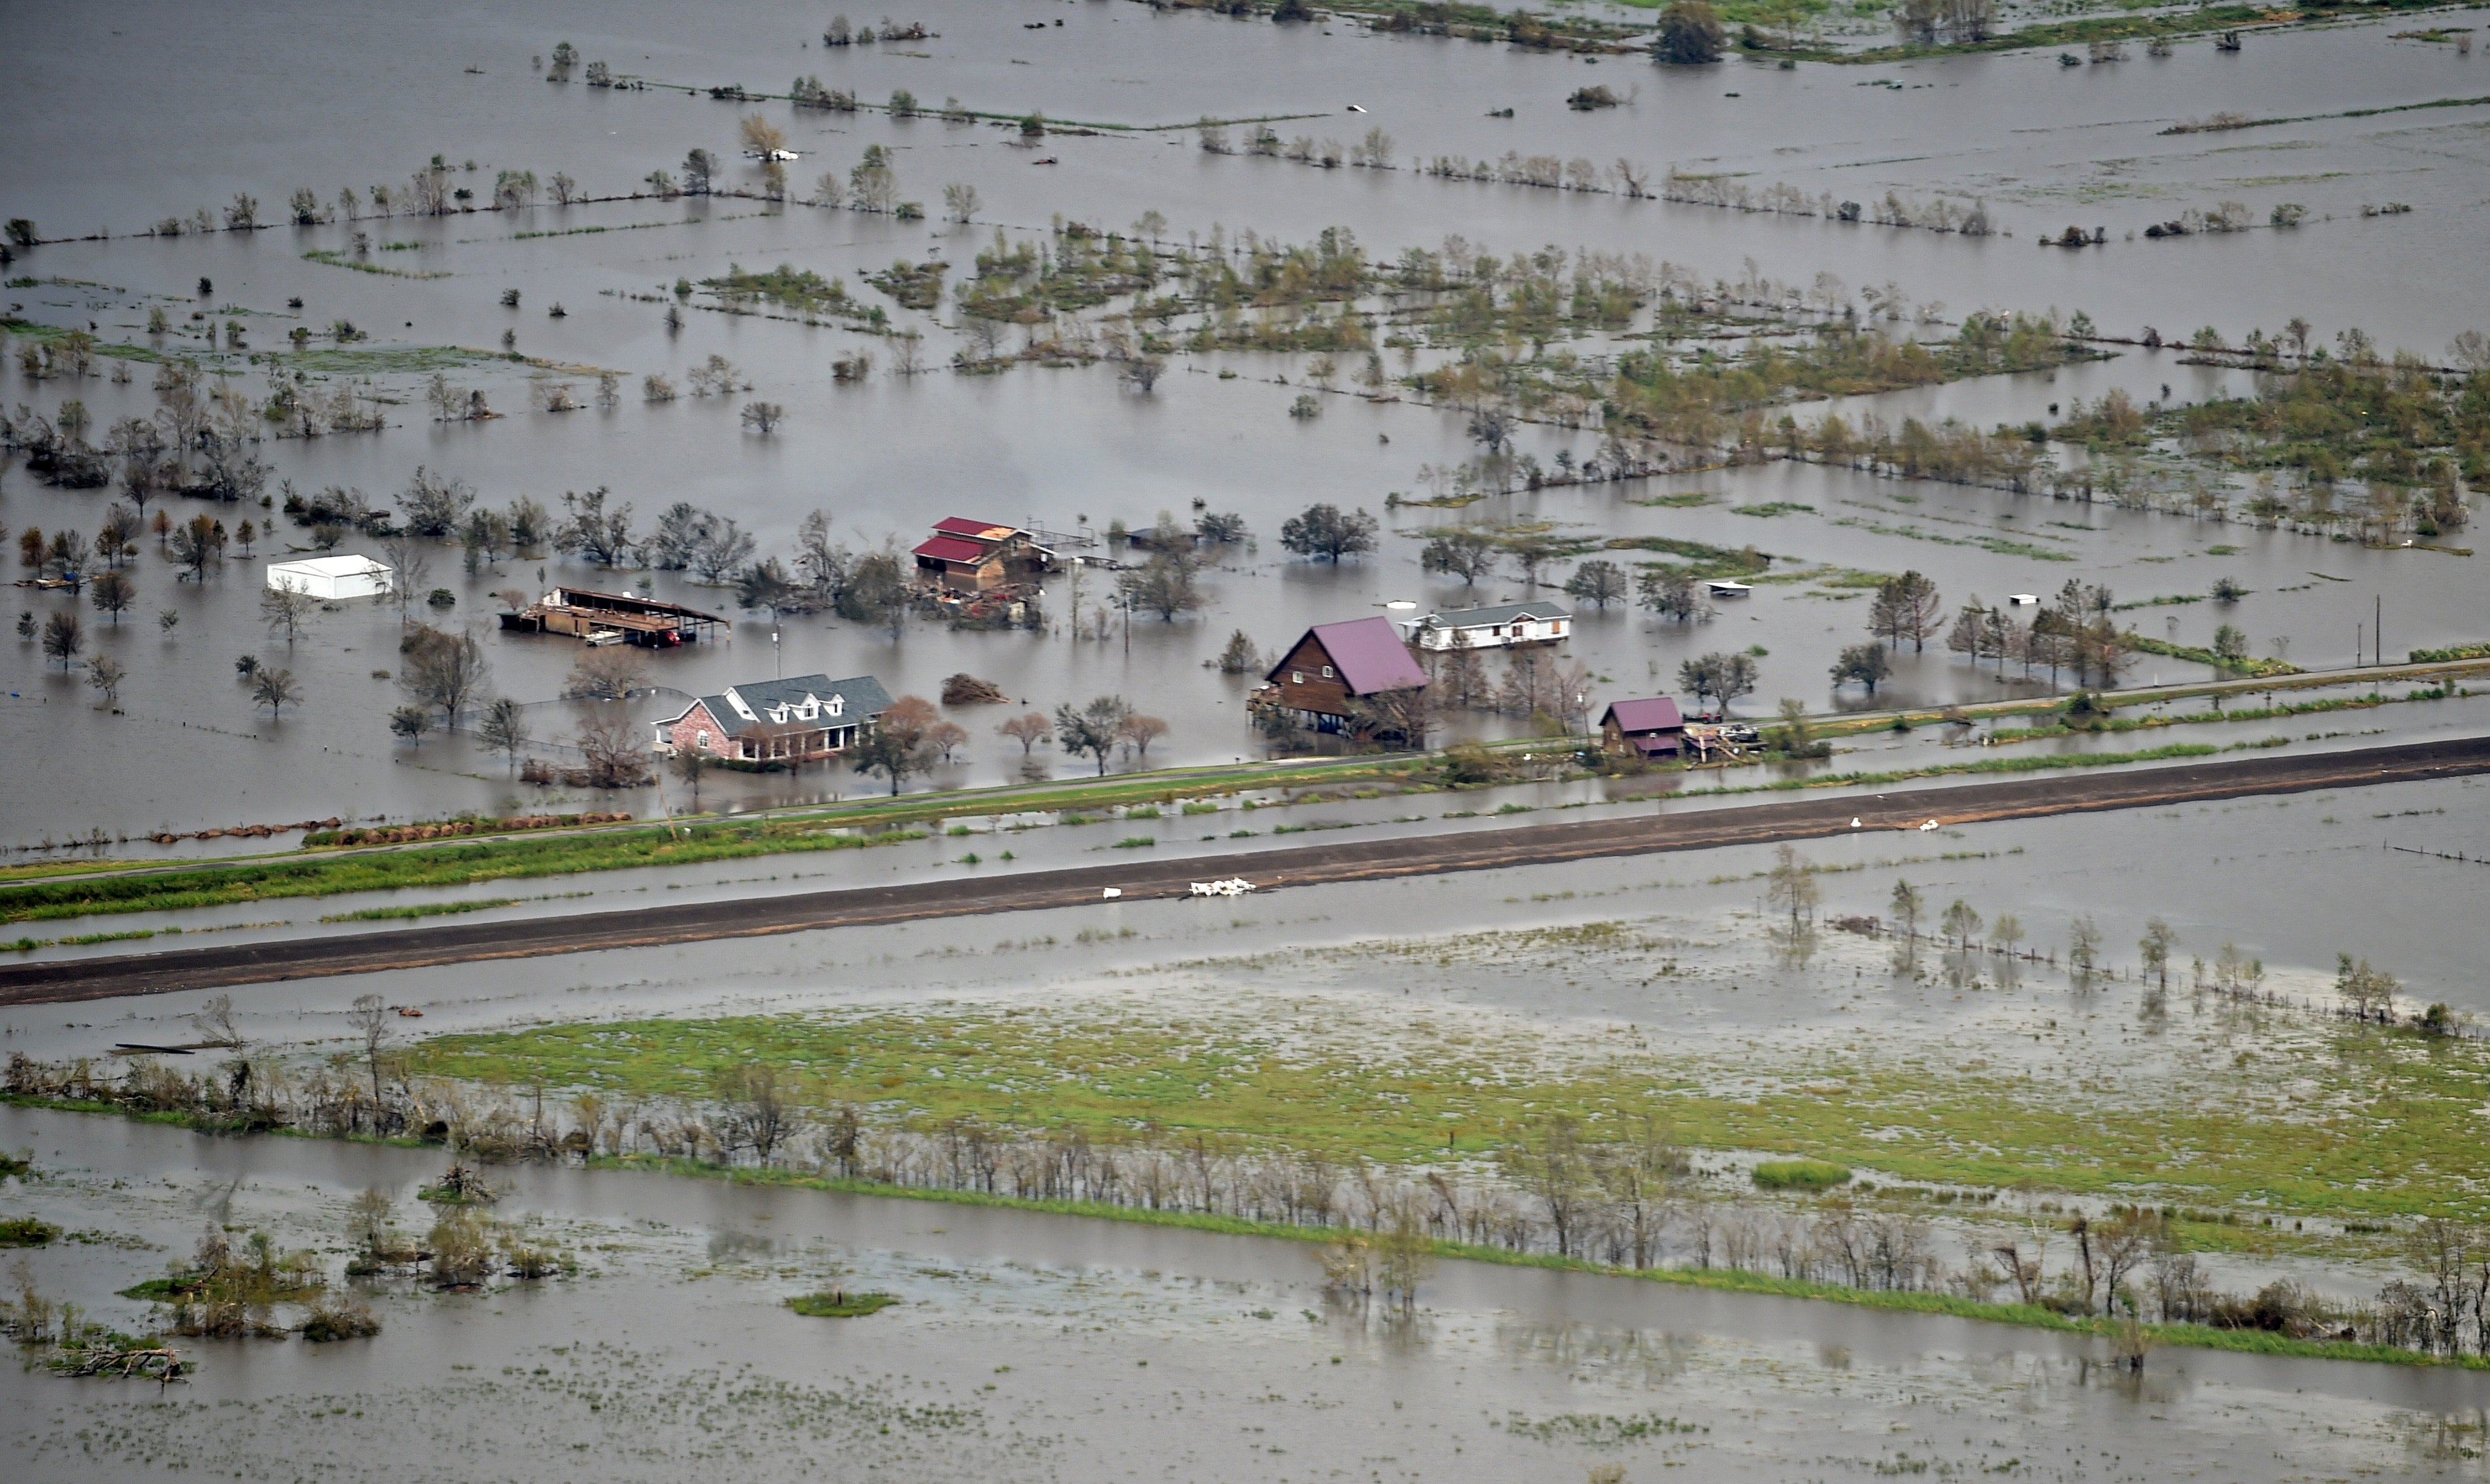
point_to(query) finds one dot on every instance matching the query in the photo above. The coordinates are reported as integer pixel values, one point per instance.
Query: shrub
(1800, 1174)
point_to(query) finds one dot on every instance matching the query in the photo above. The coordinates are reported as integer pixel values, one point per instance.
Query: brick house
(797, 720)
(1336, 663)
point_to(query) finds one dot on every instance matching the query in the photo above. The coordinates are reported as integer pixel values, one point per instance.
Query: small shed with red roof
(1335, 664)
(1651, 726)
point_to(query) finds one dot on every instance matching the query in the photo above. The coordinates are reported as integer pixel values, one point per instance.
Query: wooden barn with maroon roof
(1335, 664)
(968, 556)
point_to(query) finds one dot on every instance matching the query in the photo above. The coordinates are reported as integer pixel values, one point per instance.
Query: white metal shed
(330, 577)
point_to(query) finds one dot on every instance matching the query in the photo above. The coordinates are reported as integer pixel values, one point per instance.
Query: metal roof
(1484, 618)
(1656, 713)
(1368, 653)
(981, 531)
(951, 548)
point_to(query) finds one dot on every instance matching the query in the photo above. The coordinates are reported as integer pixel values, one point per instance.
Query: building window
(1326, 672)
(701, 740)
(1296, 677)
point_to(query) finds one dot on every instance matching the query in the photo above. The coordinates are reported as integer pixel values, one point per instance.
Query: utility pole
(2378, 626)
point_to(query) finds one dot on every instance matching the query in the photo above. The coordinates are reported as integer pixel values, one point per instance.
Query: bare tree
(606, 674)
(105, 674)
(1092, 729)
(62, 638)
(1029, 730)
(1138, 732)
(370, 1020)
(504, 729)
(274, 688)
(441, 668)
(286, 609)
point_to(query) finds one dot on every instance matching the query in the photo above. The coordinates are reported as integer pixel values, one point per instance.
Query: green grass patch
(421, 909)
(840, 1306)
(1136, 842)
(1801, 1175)
(1770, 508)
(335, 259)
(2290, 1116)
(27, 1232)
(458, 865)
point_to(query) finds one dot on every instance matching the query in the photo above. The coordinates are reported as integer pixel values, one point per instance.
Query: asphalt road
(406, 947)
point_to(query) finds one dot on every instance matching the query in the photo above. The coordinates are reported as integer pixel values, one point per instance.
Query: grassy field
(2256, 1112)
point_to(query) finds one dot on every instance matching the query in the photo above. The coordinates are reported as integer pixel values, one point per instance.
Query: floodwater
(1046, 1348)
(1065, 446)
(1032, 1346)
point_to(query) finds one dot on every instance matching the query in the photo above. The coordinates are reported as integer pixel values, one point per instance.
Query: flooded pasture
(1031, 1347)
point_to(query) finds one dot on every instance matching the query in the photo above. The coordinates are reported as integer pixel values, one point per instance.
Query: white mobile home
(330, 577)
(1492, 628)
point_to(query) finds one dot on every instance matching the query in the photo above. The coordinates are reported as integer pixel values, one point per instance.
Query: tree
(105, 674)
(62, 638)
(286, 609)
(1794, 736)
(593, 533)
(615, 749)
(1790, 886)
(1028, 728)
(114, 592)
(873, 185)
(505, 728)
(1598, 581)
(441, 668)
(1138, 732)
(2083, 947)
(1960, 923)
(196, 543)
(432, 507)
(896, 744)
(691, 765)
(1464, 552)
(410, 565)
(276, 690)
(767, 585)
(877, 592)
(2230, 644)
(370, 1020)
(959, 202)
(1321, 530)
(699, 168)
(764, 417)
(2367, 993)
(1689, 34)
(1239, 656)
(1091, 728)
(1670, 592)
(1723, 676)
(2156, 946)
(1905, 607)
(757, 1100)
(1864, 664)
(1164, 585)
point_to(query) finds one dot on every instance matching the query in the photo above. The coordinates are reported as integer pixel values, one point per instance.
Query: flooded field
(1062, 442)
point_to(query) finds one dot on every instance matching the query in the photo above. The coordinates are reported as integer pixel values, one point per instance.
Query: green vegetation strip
(341, 260)
(460, 865)
(2287, 1117)
(422, 909)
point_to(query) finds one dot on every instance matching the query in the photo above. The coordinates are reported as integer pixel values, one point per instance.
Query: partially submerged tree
(274, 688)
(1091, 729)
(441, 668)
(1322, 532)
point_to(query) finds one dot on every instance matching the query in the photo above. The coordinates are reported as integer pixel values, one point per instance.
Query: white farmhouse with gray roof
(1492, 628)
(776, 721)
